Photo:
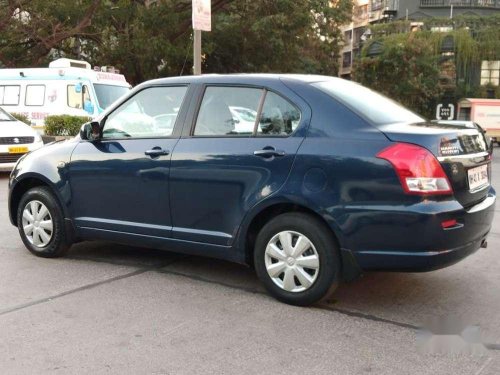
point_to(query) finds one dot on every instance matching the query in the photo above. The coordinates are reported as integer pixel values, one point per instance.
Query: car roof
(256, 78)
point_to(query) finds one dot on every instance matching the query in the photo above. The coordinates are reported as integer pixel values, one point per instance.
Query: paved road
(120, 310)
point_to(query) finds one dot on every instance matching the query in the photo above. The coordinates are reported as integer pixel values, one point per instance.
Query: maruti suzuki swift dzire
(309, 179)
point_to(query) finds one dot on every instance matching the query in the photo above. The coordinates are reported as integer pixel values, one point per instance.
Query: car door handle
(156, 151)
(268, 152)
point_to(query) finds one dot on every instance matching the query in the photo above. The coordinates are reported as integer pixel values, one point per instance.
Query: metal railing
(461, 3)
(384, 4)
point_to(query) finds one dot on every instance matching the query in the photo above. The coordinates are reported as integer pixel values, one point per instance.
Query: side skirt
(163, 243)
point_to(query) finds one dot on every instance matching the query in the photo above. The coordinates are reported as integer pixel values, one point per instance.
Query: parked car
(334, 179)
(16, 139)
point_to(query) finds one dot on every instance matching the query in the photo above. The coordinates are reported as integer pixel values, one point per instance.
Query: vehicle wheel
(297, 259)
(41, 223)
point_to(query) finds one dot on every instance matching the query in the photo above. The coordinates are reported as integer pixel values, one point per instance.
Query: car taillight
(418, 170)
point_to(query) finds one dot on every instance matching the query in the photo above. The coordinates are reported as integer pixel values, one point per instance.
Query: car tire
(306, 270)
(40, 221)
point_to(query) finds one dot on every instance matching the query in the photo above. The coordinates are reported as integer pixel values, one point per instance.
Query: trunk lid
(463, 150)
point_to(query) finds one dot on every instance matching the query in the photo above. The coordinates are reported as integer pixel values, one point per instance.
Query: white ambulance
(66, 87)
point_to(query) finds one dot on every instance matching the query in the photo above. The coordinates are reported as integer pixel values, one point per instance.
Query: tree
(146, 39)
(277, 36)
(407, 70)
(424, 67)
(31, 30)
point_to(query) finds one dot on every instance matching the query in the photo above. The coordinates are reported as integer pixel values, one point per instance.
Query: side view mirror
(90, 131)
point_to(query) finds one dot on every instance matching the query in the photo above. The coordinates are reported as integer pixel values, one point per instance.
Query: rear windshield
(377, 108)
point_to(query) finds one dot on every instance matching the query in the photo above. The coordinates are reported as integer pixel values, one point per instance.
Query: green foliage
(21, 117)
(150, 41)
(64, 125)
(276, 36)
(31, 30)
(486, 91)
(407, 71)
(475, 39)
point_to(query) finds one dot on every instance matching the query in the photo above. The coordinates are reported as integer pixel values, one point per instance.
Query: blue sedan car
(309, 179)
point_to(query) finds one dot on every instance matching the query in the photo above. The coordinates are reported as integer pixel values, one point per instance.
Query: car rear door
(119, 184)
(237, 149)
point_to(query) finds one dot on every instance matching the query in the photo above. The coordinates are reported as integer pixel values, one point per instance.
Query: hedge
(21, 117)
(65, 125)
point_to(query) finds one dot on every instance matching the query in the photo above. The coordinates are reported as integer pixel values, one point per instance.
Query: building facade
(419, 9)
(366, 12)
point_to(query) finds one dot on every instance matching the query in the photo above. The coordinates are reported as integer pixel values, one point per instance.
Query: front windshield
(108, 94)
(4, 116)
(373, 106)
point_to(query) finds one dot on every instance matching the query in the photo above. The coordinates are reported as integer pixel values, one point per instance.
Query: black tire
(328, 277)
(58, 244)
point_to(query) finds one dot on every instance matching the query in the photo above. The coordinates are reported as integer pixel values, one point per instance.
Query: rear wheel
(40, 221)
(297, 259)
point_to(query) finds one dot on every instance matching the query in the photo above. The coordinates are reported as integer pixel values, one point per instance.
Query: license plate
(18, 150)
(478, 177)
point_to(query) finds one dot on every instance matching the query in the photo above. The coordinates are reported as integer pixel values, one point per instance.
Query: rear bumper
(415, 261)
(421, 244)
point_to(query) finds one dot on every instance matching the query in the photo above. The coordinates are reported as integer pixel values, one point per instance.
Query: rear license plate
(18, 150)
(478, 177)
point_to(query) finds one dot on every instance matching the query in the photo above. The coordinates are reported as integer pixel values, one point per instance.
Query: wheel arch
(26, 183)
(265, 213)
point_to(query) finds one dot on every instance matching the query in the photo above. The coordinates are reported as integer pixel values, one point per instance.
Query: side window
(9, 95)
(279, 116)
(150, 113)
(78, 96)
(35, 95)
(228, 111)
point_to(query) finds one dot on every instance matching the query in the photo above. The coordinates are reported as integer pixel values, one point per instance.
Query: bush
(22, 117)
(65, 125)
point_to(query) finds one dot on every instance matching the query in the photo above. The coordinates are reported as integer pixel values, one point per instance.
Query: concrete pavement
(114, 309)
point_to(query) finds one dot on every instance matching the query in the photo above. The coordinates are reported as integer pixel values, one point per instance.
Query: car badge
(454, 168)
(16, 140)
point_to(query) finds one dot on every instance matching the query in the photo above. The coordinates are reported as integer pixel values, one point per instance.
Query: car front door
(238, 151)
(119, 183)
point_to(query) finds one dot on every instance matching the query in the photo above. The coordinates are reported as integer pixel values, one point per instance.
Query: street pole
(451, 11)
(197, 52)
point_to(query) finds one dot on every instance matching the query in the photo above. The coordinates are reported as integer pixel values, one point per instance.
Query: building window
(376, 5)
(346, 59)
(490, 73)
(348, 36)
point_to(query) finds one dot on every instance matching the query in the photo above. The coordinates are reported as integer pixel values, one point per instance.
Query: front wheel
(40, 221)
(297, 259)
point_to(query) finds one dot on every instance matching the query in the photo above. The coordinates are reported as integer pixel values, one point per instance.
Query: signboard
(445, 112)
(202, 15)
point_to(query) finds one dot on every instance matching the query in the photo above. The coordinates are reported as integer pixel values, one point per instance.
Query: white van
(66, 87)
